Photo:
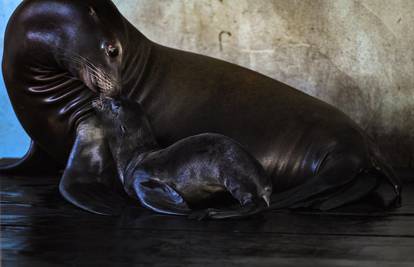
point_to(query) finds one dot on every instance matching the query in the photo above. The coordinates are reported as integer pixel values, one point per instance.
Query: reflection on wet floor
(38, 227)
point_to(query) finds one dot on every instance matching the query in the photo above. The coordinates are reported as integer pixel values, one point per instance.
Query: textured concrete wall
(356, 55)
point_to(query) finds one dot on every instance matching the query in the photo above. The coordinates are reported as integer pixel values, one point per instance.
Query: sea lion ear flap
(89, 181)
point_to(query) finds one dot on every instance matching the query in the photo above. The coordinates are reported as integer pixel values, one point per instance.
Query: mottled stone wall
(356, 55)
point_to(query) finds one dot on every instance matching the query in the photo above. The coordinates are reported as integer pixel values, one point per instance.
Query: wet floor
(38, 228)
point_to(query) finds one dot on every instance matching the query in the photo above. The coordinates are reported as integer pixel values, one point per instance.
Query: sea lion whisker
(80, 63)
(101, 82)
(80, 59)
(87, 61)
(73, 57)
(101, 77)
(70, 60)
(73, 54)
(104, 80)
(101, 74)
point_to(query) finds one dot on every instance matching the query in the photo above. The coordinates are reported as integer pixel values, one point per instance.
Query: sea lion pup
(189, 177)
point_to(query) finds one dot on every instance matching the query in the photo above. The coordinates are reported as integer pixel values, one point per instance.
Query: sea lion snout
(102, 80)
(108, 106)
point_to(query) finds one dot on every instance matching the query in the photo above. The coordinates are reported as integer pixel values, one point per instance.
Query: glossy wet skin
(57, 55)
(224, 164)
(93, 54)
(123, 119)
(290, 133)
(126, 128)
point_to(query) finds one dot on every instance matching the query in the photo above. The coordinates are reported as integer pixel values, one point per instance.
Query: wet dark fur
(315, 155)
(202, 171)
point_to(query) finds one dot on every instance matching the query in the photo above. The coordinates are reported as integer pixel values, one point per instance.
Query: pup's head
(124, 123)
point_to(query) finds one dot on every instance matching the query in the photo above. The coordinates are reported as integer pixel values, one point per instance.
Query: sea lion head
(56, 53)
(125, 124)
(86, 37)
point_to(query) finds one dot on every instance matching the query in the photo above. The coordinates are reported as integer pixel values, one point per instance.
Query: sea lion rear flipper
(160, 197)
(35, 162)
(338, 170)
(388, 192)
(90, 180)
(362, 186)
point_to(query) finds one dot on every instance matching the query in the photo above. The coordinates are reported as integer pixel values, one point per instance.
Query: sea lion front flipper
(35, 162)
(90, 180)
(160, 197)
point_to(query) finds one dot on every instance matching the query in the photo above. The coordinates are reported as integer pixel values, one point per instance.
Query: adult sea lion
(58, 52)
(189, 177)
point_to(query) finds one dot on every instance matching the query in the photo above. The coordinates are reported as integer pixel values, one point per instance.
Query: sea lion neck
(133, 146)
(137, 54)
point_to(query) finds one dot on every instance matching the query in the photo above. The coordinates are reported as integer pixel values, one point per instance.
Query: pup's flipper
(160, 197)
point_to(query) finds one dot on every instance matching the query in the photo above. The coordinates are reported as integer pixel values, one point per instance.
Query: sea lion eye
(111, 50)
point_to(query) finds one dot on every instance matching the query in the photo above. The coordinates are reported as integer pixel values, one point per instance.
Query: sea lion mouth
(99, 81)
